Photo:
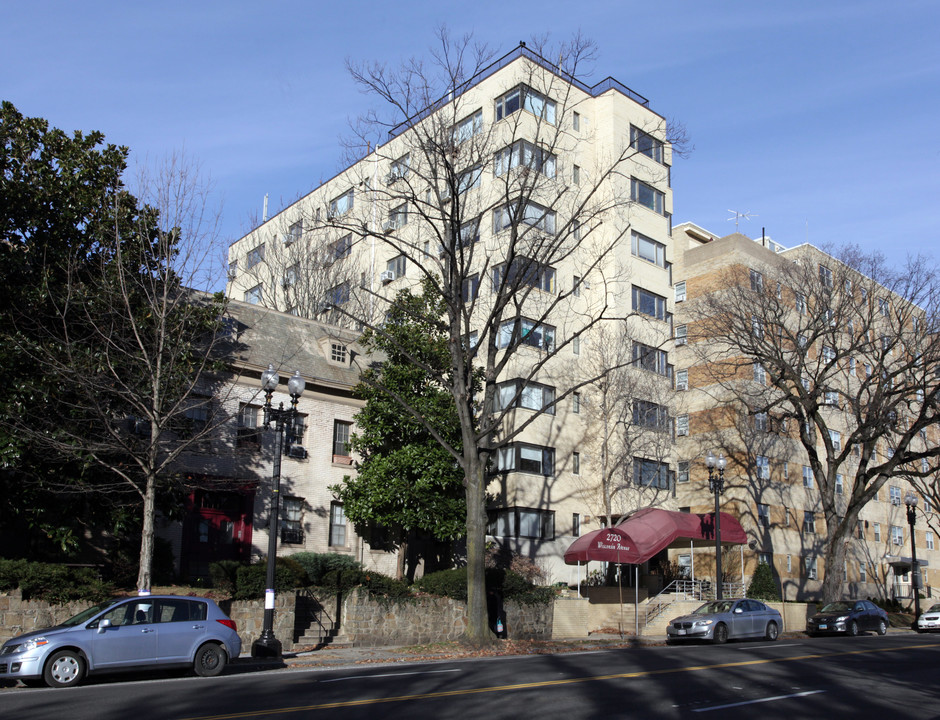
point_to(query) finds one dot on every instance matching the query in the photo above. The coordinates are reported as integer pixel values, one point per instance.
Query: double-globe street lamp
(716, 483)
(283, 418)
(911, 501)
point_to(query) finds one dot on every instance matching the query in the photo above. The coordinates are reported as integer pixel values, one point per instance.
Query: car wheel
(209, 661)
(721, 634)
(64, 669)
(852, 629)
(772, 631)
(882, 627)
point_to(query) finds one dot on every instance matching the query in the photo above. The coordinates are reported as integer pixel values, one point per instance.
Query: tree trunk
(478, 631)
(835, 564)
(402, 556)
(146, 537)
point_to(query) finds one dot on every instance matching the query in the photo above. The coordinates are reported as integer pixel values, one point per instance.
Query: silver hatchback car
(153, 631)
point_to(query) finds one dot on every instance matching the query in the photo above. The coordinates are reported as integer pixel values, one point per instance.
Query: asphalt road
(866, 677)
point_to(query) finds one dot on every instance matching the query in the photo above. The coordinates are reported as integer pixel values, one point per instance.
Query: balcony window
(650, 415)
(526, 458)
(530, 214)
(517, 522)
(649, 303)
(523, 331)
(650, 473)
(528, 99)
(646, 144)
(651, 359)
(647, 196)
(527, 395)
(523, 154)
(468, 127)
(648, 249)
(255, 256)
(342, 247)
(253, 295)
(525, 272)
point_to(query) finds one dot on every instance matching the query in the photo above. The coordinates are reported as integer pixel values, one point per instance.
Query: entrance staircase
(314, 627)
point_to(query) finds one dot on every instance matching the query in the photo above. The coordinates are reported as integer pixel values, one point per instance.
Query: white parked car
(929, 621)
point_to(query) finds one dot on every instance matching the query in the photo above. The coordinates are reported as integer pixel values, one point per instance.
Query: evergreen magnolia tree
(407, 482)
(111, 354)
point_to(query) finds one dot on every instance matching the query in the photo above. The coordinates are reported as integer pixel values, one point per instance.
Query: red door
(217, 527)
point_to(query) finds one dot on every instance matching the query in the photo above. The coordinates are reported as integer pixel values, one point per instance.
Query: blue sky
(821, 119)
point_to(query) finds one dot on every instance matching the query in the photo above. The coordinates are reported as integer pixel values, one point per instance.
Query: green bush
(374, 582)
(251, 580)
(224, 575)
(513, 586)
(55, 584)
(317, 565)
(762, 585)
(10, 573)
(446, 583)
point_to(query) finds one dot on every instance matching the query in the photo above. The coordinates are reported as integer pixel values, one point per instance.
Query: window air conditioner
(297, 451)
(386, 276)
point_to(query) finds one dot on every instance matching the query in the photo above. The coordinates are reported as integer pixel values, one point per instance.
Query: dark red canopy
(646, 532)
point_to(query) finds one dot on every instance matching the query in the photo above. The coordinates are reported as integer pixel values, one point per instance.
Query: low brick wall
(369, 622)
(249, 619)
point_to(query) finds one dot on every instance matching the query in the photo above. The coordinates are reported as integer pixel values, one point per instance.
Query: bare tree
(487, 213)
(838, 356)
(133, 347)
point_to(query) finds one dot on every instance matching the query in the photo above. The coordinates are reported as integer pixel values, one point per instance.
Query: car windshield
(719, 606)
(837, 607)
(934, 608)
(85, 615)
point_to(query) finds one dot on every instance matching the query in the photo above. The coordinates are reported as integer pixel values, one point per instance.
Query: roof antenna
(264, 211)
(737, 216)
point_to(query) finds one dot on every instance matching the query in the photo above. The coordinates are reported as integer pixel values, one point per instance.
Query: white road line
(759, 700)
(386, 675)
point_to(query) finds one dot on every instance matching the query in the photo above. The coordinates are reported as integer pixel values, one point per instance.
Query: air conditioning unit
(386, 276)
(298, 452)
(287, 238)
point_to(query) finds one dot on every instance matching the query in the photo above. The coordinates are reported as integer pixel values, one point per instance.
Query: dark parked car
(153, 631)
(850, 617)
(721, 620)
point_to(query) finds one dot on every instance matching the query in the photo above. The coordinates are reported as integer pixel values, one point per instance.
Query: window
(831, 397)
(397, 217)
(342, 247)
(292, 516)
(757, 281)
(576, 346)
(681, 334)
(471, 288)
(469, 179)
(801, 303)
(526, 458)
(897, 535)
(680, 291)
(575, 175)
(825, 276)
(811, 572)
(646, 144)
(516, 522)
(522, 394)
(928, 538)
(523, 154)
(649, 303)
(786, 471)
(468, 127)
(528, 99)
(763, 514)
(337, 525)
(682, 380)
(763, 467)
(253, 295)
(576, 403)
(232, 269)
(647, 196)
(757, 327)
(530, 214)
(576, 524)
(255, 256)
(883, 307)
(248, 434)
(648, 249)
(860, 530)
(575, 463)
(835, 437)
(291, 275)
(399, 168)
(682, 471)
(341, 431)
(789, 563)
(894, 493)
(338, 352)
(682, 425)
(523, 331)
(862, 572)
(807, 476)
(828, 354)
(840, 484)
(338, 294)
(877, 531)
(523, 271)
(928, 507)
(650, 473)
(576, 286)
(197, 415)
(341, 205)
(651, 359)
(650, 415)
(809, 521)
(294, 232)
(761, 422)
(760, 375)
(397, 266)
(764, 558)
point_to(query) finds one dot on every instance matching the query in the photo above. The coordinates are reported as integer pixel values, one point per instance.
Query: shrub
(55, 584)
(374, 582)
(762, 585)
(316, 565)
(251, 580)
(224, 575)
(10, 573)
(446, 583)
(513, 586)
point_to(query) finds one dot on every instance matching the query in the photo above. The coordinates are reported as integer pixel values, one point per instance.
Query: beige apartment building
(769, 483)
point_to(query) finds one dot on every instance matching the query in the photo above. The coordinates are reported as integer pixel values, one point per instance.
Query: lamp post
(283, 418)
(911, 501)
(716, 483)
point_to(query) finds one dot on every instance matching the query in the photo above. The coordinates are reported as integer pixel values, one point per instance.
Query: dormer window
(338, 353)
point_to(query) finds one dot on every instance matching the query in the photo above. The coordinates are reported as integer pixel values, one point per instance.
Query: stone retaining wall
(18, 616)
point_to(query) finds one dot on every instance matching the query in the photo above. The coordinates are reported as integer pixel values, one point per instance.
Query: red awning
(646, 532)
